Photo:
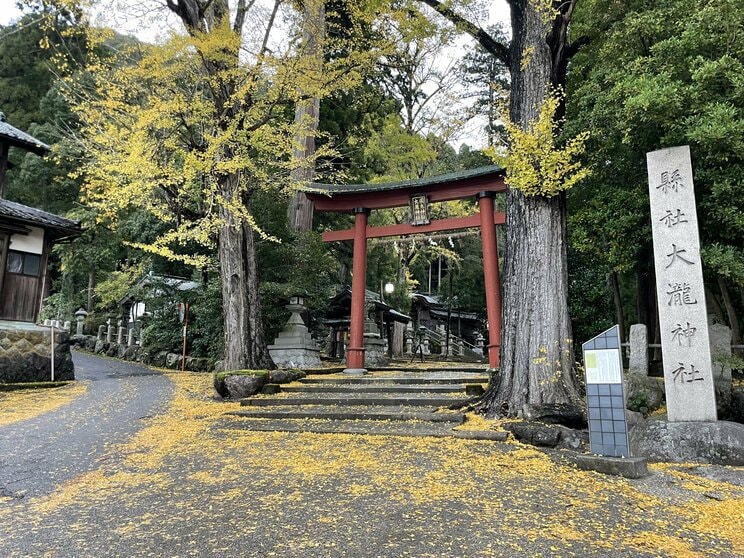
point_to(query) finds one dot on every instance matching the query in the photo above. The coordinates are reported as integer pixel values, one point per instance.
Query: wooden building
(26, 238)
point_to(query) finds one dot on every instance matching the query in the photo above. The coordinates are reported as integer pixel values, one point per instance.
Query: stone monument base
(719, 443)
(26, 353)
(374, 354)
(286, 356)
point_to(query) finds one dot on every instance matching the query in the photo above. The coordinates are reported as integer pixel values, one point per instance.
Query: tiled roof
(429, 181)
(22, 213)
(15, 137)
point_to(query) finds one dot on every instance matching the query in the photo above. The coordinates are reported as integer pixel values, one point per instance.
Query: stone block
(643, 393)
(534, 433)
(239, 386)
(173, 361)
(719, 443)
(491, 435)
(628, 467)
(572, 416)
(270, 389)
(285, 376)
(90, 342)
(638, 362)
(374, 354)
(131, 353)
(158, 359)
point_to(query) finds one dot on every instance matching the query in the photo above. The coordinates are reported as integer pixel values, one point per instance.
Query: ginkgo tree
(537, 365)
(191, 129)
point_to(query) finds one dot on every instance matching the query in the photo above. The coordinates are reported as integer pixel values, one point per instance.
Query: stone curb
(628, 467)
(481, 435)
(456, 418)
(392, 380)
(351, 388)
(376, 401)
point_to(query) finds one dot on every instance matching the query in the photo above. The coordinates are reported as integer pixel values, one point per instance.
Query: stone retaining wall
(25, 353)
(163, 359)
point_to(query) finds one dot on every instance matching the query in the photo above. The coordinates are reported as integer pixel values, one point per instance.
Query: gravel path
(39, 454)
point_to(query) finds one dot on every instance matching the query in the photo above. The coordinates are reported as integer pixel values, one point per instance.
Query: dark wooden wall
(20, 297)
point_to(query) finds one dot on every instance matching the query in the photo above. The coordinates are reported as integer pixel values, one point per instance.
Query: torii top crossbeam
(482, 183)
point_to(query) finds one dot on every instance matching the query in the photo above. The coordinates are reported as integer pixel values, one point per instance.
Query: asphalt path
(39, 454)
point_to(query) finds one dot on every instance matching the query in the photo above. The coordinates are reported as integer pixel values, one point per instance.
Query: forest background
(650, 76)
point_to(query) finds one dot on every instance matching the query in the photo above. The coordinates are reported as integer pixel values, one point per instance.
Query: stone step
(352, 413)
(353, 399)
(366, 427)
(374, 388)
(397, 380)
(334, 426)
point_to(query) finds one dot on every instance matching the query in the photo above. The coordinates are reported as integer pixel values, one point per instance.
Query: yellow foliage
(188, 130)
(16, 406)
(187, 468)
(535, 164)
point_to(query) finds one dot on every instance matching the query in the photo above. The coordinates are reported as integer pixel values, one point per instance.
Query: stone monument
(294, 347)
(638, 361)
(683, 320)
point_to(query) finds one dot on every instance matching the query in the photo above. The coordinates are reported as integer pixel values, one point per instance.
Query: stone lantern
(80, 316)
(294, 347)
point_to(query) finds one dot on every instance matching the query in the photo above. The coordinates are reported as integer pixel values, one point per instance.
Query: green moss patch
(31, 385)
(219, 378)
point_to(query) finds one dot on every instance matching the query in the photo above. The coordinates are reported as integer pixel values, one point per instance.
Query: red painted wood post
(355, 352)
(491, 276)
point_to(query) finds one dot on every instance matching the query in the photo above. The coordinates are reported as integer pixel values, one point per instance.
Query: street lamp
(389, 288)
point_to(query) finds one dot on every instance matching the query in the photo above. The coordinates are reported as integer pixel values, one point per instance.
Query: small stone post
(638, 349)
(80, 316)
(101, 332)
(409, 338)
(121, 333)
(130, 337)
(110, 330)
(426, 349)
(67, 325)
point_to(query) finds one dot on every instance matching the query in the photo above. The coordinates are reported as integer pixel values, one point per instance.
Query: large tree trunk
(307, 116)
(91, 289)
(728, 304)
(245, 345)
(536, 350)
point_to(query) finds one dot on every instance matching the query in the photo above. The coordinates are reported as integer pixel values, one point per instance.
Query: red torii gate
(483, 183)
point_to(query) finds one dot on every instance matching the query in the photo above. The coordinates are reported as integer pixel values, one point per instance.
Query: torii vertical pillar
(355, 351)
(491, 276)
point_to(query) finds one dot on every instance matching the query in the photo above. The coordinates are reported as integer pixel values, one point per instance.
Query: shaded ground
(187, 484)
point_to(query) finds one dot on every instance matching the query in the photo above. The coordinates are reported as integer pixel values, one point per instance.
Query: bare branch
(270, 25)
(491, 45)
(240, 14)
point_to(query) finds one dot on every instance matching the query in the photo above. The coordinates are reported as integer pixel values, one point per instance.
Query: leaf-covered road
(38, 455)
(188, 482)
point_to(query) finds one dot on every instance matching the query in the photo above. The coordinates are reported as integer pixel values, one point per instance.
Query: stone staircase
(389, 402)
